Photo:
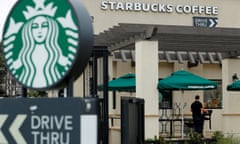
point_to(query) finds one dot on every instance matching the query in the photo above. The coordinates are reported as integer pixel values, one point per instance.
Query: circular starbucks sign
(47, 42)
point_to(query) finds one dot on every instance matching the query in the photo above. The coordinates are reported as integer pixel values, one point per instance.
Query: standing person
(197, 115)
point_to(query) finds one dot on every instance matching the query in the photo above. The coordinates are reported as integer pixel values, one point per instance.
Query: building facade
(155, 38)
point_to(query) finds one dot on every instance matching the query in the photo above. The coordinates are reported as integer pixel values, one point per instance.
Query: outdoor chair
(207, 116)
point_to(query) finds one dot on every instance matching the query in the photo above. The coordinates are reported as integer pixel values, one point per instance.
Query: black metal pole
(105, 95)
(101, 52)
(70, 87)
(114, 100)
(93, 84)
(24, 92)
(84, 94)
(95, 73)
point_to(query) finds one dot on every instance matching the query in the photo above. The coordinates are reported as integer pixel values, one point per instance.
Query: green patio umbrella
(235, 86)
(184, 80)
(125, 83)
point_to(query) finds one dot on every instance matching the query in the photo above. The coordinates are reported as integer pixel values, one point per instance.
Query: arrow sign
(205, 22)
(3, 140)
(14, 129)
(212, 22)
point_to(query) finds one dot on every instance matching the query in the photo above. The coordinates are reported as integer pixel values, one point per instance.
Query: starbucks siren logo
(40, 47)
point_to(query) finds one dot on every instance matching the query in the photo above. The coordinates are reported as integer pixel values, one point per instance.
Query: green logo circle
(40, 42)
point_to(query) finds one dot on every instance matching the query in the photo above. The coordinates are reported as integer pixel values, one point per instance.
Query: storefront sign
(159, 8)
(47, 42)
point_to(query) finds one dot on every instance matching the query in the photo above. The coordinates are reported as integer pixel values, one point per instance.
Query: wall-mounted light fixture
(234, 77)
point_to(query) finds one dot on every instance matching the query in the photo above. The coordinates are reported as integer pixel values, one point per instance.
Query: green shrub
(218, 136)
(221, 139)
(195, 138)
(155, 140)
(229, 140)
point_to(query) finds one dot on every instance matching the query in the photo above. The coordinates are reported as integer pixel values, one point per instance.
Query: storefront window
(165, 99)
(213, 98)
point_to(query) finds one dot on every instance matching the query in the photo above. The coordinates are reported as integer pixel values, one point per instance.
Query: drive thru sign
(31, 121)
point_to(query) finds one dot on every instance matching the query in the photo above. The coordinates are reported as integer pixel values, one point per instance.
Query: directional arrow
(3, 118)
(14, 129)
(213, 22)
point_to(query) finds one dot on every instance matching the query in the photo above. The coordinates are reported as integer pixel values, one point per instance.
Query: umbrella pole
(182, 107)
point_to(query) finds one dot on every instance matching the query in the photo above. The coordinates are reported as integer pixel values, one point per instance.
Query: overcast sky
(5, 7)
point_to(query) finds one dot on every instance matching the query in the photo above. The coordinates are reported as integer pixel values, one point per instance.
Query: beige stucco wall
(231, 111)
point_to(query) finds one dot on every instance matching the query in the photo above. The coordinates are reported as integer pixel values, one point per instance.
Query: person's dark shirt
(196, 109)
